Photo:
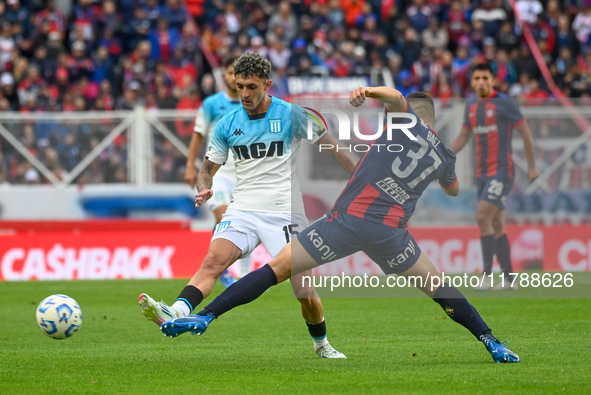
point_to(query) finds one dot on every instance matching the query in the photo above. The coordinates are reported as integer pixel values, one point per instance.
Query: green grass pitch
(392, 345)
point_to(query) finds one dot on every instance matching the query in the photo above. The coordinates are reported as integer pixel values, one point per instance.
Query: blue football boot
(498, 351)
(196, 324)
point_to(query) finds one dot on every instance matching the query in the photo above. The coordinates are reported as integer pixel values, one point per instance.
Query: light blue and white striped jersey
(210, 112)
(263, 146)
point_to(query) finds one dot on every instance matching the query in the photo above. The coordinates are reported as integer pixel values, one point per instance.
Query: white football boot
(157, 312)
(328, 351)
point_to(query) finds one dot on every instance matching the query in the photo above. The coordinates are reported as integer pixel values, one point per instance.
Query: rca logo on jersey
(318, 242)
(275, 125)
(259, 150)
(399, 259)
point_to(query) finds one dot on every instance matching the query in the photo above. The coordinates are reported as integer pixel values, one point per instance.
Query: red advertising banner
(458, 250)
(102, 255)
(179, 253)
(567, 248)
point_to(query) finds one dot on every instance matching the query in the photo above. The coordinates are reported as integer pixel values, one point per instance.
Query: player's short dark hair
(230, 61)
(483, 67)
(422, 104)
(251, 64)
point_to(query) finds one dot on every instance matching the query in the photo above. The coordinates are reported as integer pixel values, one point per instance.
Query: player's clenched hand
(203, 197)
(191, 175)
(357, 97)
(532, 174)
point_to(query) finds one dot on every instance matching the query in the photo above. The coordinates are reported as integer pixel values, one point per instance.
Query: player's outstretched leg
(254, 285)
(455, 305)
(243, 291)
(222, 253)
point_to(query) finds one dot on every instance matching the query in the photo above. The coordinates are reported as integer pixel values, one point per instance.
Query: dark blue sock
(488, 244)
(456, 306)
(243, 291)
(503, 251)
(317, 331)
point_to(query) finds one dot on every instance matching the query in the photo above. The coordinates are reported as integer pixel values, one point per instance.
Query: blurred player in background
(210, 112)
(492, 117)
(371, 215)
(267, 205)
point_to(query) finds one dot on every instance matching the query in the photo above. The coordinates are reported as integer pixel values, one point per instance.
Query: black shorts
(339, 235)
(494, 190)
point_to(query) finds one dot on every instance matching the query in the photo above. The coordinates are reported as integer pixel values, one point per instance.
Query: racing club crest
(275, 125)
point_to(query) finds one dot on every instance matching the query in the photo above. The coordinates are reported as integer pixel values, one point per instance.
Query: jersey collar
(493, 94)
(231, 99)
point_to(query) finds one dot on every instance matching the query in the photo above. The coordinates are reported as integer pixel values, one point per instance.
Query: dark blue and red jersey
(386, 185)
(492, 121)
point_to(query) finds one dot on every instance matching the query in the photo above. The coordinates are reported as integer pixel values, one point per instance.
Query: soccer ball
(59, 316)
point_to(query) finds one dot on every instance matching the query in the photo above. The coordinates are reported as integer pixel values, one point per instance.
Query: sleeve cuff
(216, 160)
(520, 122)
(450, 186)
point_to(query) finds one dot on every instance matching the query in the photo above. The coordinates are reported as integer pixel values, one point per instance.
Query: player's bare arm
(345, 160)
(194, 147)
(454, 190)
(392, 98)
(205, 182)
(462, 139)
(528, 143)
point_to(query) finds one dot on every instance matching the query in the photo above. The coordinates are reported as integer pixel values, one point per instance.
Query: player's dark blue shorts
(339, 235)
(494, 190)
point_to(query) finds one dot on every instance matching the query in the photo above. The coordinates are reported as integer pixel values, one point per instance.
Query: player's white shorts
(247, 229)
(223, 188)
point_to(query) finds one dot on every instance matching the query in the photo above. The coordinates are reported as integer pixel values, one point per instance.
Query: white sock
(320, 342)
(181, 309)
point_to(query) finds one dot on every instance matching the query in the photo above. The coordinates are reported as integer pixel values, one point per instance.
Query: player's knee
(483, 219)
(498, 225)
(311, 301)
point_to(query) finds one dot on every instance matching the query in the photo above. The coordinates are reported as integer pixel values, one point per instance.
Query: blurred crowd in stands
(80, 55)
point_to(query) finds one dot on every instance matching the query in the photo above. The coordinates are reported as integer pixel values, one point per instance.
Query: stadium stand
(85, 55)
